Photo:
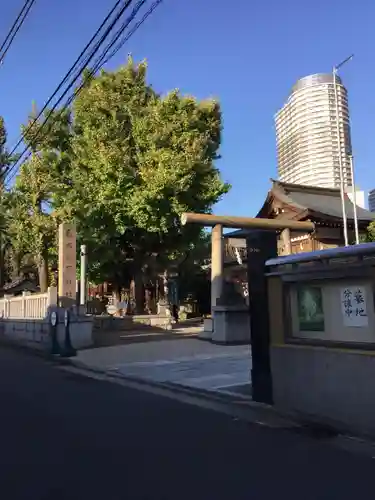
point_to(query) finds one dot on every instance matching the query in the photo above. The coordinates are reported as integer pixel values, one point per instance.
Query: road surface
(64, 436)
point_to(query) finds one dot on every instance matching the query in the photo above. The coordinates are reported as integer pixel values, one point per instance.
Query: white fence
(28, 306)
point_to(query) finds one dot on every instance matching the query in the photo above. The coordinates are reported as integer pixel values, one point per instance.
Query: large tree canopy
(124, 163)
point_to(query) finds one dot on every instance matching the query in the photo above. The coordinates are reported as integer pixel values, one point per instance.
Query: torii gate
(264, 242)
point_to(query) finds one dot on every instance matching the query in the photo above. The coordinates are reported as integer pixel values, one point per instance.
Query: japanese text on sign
(67, 260)
(353, 306)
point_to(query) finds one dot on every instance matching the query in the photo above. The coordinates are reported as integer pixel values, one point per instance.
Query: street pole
(342, 192)
(83, 275)
(354, 196)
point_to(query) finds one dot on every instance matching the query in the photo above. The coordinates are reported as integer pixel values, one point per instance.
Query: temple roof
(20, 284)
(311, 200)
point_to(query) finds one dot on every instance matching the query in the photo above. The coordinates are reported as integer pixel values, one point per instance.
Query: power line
(98, 64)
(20, 19)
(101, 60)
(66, 77)
(133, 30)
(88, 59)
(90, 56)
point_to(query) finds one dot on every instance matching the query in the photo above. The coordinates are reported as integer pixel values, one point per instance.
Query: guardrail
(28, 306)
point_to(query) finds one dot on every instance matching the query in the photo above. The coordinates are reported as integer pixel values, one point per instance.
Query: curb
(33, 351)
(293, 421)
(240, 401)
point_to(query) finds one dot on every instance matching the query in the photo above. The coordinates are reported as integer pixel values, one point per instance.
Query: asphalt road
(63, 436)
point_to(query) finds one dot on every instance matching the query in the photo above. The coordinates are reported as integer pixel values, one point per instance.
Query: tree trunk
(166, 287)
(43, 274)
(2, 261)
(139, 293)
(16, 265)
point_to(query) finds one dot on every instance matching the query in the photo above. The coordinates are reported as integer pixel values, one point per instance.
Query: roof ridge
(288, 186)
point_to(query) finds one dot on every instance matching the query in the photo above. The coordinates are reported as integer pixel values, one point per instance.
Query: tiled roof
(321, 200)
(19, 281)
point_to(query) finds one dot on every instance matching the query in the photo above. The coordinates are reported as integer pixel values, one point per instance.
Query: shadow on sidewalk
(129, 333)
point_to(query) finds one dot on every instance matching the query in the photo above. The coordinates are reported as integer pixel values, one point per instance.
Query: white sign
(353, 306)
(53, 318)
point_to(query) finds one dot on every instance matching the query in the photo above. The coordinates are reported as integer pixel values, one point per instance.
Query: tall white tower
(308, 146)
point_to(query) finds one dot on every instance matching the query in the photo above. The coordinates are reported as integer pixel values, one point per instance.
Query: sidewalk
(188, 362)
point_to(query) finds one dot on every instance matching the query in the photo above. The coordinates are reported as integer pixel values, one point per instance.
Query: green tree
(5, 161)
(35, 201)
(124, 164)
(5, 158)
(139, 161)
(370, 234)
(32, 228)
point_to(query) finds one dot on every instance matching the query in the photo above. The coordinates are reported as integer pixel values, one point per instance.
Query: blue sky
(247, 54)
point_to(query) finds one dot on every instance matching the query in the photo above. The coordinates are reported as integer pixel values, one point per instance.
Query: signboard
(67, 260)
(310, 309)
(354, 306)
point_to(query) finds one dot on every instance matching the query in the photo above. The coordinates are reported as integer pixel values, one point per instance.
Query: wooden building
(300, 203)
(320, 205)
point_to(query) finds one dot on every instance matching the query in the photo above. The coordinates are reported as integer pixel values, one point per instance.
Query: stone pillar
(52, 296)
(67, 264)
(217, 260)
(285, 236)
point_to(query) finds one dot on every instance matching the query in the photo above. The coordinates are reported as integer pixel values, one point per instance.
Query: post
(7, 307)
(2, 270)
(217, 259)
(261, 246)
(285, 236)
(51, 296)
(354, 196)
(23, 305)
(83, 284)
(342, 192)
(67, 263)
(77, 292)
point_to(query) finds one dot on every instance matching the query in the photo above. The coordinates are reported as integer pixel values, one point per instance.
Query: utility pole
(354, 195)
(83, 275)
(342, 190)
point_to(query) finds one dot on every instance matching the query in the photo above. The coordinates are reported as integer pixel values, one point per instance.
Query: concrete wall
(128, 323)
(332, 383)
(36, 333)
(329, 385)
(29, 331)
(80, 333)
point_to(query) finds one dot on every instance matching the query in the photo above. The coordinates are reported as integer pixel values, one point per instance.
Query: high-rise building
(371, 200)
(308, 149)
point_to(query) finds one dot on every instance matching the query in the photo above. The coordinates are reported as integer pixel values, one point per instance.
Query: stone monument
(67, 264)
(231, 317)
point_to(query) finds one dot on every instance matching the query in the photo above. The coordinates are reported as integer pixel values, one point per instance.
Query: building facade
(359, 198)
(371, 200)
(309, 146)
(298, 203)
